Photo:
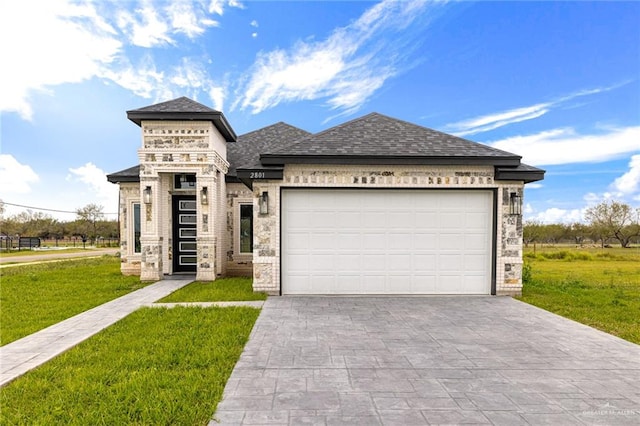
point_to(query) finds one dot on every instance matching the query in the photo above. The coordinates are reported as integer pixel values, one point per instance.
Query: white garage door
(386, 242)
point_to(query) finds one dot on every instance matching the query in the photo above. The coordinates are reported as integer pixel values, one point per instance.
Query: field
(597, 287)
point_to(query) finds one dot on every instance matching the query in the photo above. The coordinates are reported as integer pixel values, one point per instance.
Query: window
(186, 181)
(246, 228)
(137, 247)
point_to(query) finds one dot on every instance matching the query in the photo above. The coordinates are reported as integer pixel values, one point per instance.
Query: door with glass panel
(185, 253)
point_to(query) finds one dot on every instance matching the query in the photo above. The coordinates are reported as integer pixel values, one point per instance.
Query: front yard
(156, 366)
(597, 287)
(34, 297)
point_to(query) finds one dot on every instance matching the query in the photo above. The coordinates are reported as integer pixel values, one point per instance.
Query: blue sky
(555, 82)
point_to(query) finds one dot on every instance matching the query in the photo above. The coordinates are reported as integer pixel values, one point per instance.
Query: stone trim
(508, 238)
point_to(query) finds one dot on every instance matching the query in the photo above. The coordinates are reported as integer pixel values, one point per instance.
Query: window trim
(237, 225)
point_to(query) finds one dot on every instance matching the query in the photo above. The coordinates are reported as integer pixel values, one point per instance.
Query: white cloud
(144, 27)
(186, 20)
(493, 121)
(96, 181)
(556, 215)
(629, 183)
(15, 178)
(59, 42)
(564, 146)
(150, 25)
(89, 39)
(254, 23)
(534, 185)
(345, 69)
(236, 3)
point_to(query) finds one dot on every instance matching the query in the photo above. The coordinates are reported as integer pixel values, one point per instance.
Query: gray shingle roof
(182, 104)
(132, 174)
(372, 139)
(376, 135)
(245, 153)
(183, 109)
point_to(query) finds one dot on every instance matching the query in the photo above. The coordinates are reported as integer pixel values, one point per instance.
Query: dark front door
(185, 255)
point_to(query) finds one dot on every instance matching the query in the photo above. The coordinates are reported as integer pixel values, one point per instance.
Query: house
(376, 205)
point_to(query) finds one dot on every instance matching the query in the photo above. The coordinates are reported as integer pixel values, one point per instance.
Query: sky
(555, 82)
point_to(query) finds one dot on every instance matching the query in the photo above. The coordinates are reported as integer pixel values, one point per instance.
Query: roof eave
(218, 119)
(526, 176)
(121, 179)
(279, 160)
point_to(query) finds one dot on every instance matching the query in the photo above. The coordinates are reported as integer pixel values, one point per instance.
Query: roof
(371, 139)
(132, 174)
(183, 109)
(379, 139)
(245, 153)
(523, 172)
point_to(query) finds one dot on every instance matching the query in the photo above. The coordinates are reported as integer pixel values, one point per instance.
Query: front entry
(185, 251)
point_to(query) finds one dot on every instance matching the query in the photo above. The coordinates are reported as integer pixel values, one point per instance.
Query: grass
(225, 289)
(600, 288)
(157, 366)
(34, 297)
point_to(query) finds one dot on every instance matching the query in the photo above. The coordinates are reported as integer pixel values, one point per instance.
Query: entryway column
(150, 233)
(206, 200)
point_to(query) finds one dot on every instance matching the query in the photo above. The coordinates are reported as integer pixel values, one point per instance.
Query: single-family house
(375, 205)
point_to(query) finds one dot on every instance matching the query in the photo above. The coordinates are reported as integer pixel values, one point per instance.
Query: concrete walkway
(428, 360)
(20, 356)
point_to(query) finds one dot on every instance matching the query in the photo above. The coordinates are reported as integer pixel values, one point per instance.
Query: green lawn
(225, 289)
(34, 297)
(157, 366)
(597, 287)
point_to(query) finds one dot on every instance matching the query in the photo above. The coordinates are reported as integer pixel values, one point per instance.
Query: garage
(386, 241)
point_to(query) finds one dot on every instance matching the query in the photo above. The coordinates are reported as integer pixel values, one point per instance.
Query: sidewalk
(20, 356)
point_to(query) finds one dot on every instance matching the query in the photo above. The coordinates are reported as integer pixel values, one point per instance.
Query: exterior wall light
(146, 195)
(204, 196)
(263, 203)
(515, 204)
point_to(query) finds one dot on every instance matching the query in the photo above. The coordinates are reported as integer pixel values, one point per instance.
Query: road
(53, 255)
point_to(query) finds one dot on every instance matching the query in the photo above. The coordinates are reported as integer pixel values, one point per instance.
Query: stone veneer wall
(129, 261)
(266, 250)
(175, 147)
(237, 264)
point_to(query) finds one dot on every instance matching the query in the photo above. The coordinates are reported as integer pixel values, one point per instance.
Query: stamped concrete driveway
(428, 360)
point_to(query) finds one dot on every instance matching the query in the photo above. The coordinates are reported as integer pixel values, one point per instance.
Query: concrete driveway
(428, 360)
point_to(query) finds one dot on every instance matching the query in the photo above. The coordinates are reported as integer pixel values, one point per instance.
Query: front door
(185, 253)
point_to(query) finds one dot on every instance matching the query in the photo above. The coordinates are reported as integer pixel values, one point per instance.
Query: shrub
(526, 273)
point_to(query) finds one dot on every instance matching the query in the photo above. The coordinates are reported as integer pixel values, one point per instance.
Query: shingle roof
(182, 104)
(183, 109)
(246, 151)
(372, 139)
(378, 136)
(132, 174)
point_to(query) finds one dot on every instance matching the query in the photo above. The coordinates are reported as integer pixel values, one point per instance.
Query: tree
(89, 216)
(615, 220)
(531, 232)
(578, 232)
